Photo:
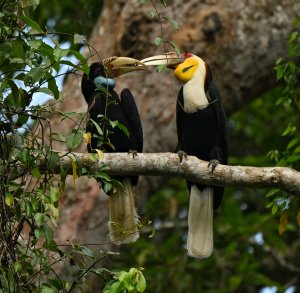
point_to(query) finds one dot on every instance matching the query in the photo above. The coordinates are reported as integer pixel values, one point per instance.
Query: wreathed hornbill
(105, 107)
(201, 132)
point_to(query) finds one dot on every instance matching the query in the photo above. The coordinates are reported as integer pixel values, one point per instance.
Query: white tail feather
(200, 222)
(123, 217)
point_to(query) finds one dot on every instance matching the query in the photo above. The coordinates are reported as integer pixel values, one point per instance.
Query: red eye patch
(187, 55)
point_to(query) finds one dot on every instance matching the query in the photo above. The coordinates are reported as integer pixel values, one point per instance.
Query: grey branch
(191, 168)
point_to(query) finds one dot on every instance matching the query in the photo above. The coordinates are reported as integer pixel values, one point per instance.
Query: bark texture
(190, 168)
(240, 40)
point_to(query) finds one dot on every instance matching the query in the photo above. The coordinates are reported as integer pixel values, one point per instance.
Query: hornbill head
(186, 66)
(102, 73)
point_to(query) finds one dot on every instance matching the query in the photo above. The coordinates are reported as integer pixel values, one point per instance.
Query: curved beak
(116, 66)
(170, 59)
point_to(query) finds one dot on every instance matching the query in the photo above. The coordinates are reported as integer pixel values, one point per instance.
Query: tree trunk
(240, 40)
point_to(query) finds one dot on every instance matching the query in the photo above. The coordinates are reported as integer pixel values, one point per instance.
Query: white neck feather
(194, 96)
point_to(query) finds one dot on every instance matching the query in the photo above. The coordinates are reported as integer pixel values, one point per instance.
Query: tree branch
(191, 168)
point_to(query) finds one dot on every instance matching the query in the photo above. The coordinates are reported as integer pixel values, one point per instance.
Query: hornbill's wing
(179, 107)
(131, 113)
(222, 148)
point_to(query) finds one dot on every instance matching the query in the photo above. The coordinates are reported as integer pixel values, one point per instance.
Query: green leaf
(59, 53)
(107, 187)
(123, 128)
(57, 283)
(293, 158)
(67, 62)
(140, 282)
(297, 150)
(164, 2)
(31, 3)
(174, 47)
(9, 199)
(103, 176)
(53, 87)
(17, 60)
(274, 209)
(45, 90)
(28, 208)
(74, 139)
(173, 22)
(161, 68)
(116, 287)
(39, 218)
(36, 173)
(52, 159)
(86, 251)
(272, 192)
(158, 41)
(54, 194)
(292, 143)
(54, 212)
(98, 128)
(34, 75)
(48, 289)
(55, 41)
(31, 23)
(126, 278)
(153, 14)
(144, 1)
(293, 36)
(17, 267)
(289, 130)
(78, 56)
(44, 49)
(79, 39)
(279, 72)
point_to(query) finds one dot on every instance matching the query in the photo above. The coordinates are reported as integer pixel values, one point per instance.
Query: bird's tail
(200, 222)
(123, 217)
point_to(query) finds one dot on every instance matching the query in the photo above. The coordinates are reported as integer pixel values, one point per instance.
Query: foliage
(59, 16)
(30, 59)
(161, 18)
(288, 71)
(122, 282)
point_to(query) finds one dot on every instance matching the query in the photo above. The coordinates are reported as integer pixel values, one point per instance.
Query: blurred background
(242, 42)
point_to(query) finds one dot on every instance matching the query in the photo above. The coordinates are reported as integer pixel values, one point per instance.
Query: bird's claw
(213, 164)
(133, 152)
(182, 154)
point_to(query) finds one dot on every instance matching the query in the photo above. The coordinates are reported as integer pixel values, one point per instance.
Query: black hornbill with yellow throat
(201, 132)
(104, 107)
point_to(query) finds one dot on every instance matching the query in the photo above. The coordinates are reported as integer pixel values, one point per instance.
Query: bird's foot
(182, 155)
(213, 164)
(133, 152)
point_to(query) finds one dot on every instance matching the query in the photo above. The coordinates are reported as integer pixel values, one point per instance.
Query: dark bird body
(202, 134)
(104, 104)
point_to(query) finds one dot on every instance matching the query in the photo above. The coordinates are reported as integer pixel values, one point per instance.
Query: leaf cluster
(30, 60)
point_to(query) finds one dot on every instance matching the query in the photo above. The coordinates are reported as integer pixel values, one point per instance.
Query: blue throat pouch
(102, 82)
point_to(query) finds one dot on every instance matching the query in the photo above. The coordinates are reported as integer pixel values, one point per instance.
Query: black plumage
(103, 104)
(203, 133)
(106, 102)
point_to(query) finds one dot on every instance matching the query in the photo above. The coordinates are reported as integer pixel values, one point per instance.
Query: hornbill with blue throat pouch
(105, 107)
(201, 132)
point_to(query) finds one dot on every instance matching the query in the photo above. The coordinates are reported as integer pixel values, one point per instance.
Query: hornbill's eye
(185, 69)
(97, 72)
